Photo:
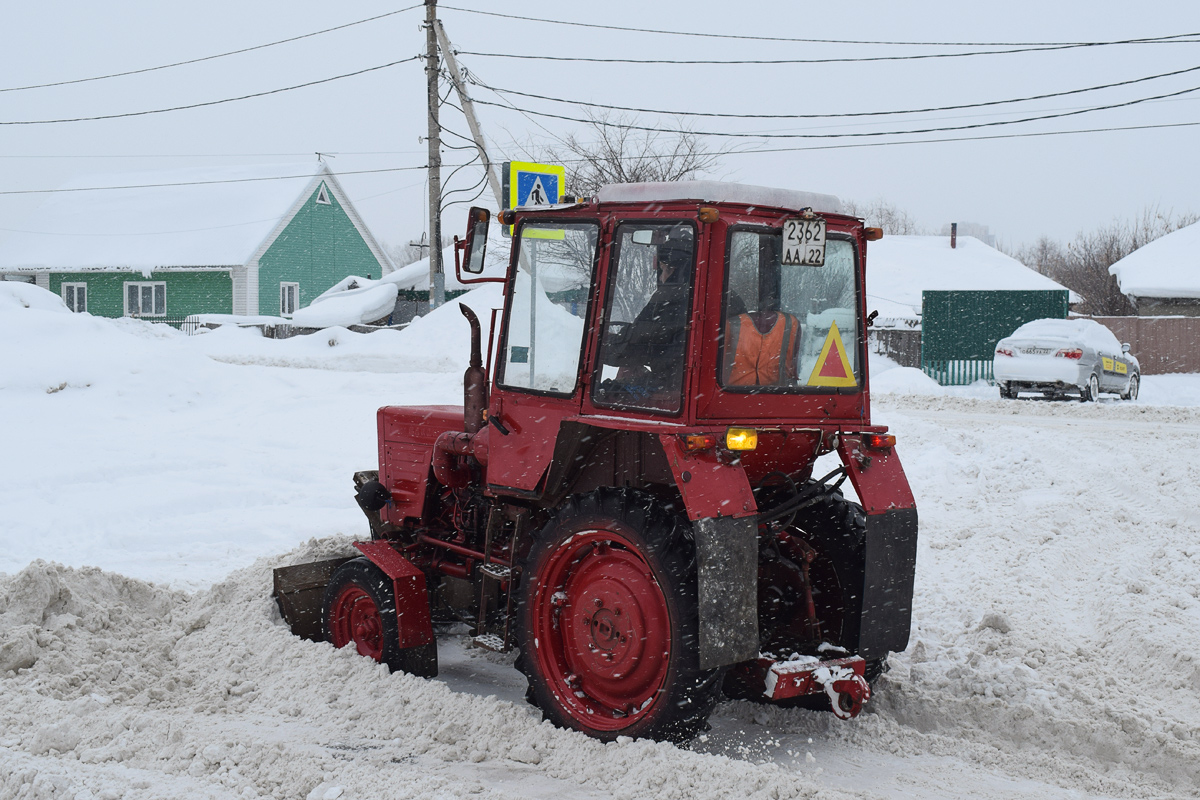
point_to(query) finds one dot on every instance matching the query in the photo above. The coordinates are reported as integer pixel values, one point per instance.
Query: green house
(248, 241)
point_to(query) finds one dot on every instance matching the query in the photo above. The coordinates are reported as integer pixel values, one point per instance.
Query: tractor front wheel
(360, 609)
(608, 621)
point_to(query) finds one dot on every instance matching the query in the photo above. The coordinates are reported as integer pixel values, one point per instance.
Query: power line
(211, 102)
(224, 155)
(1147, 40)
(474, 79)
(204, 183)
(726, 134)
(207, 58)
(777, 61)
(989, 137)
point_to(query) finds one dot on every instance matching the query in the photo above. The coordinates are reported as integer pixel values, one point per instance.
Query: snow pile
(352, 307)
(899, 268)
(1167, 267)
(15, 295)
(211, 696)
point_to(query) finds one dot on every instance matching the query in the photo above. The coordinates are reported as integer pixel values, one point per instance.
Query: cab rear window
(788, 328)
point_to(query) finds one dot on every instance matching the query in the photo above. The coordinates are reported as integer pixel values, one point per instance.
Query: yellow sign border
(832, 340)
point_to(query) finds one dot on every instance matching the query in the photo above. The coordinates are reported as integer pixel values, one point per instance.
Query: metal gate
(959, 329)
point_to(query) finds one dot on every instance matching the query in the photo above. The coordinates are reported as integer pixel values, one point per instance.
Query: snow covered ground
(149, 482)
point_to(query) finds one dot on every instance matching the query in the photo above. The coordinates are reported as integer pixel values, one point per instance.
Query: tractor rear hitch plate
(841, 679)
(299, 591)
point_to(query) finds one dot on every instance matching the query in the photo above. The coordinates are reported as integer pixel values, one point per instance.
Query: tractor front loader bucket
(299, 591)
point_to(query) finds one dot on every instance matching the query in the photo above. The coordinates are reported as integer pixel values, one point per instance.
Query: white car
(1065, 357)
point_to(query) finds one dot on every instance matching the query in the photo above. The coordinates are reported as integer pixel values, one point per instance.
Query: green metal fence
(959, 329)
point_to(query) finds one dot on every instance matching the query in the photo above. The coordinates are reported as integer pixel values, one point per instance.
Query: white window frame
(283, 287)
(73, 304)
(323, 196)
(141, 286)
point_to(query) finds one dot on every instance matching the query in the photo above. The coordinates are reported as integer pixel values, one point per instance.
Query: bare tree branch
(608, 153)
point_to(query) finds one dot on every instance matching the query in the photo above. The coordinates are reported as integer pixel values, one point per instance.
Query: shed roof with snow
(1166, 269)
(900, 268)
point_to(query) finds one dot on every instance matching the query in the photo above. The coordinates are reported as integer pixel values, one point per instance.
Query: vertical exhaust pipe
(474, 379)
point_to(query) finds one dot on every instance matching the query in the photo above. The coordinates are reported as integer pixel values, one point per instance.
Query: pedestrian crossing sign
(529, 184)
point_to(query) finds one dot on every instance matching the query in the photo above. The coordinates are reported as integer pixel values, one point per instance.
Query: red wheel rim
(356, 619)
(602, 631)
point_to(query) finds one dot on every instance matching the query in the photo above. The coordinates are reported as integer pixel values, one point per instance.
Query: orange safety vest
(753, 358)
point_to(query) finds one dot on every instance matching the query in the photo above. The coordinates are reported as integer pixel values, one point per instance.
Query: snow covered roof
(201, 216)
(719, 192)
(899, 268)
(1167, 267)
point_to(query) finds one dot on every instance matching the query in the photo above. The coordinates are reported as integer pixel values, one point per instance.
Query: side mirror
(473, 247)
(1125, 347)
(476, 243)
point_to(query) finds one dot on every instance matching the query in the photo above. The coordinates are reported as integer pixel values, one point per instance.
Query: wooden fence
(1161, 344)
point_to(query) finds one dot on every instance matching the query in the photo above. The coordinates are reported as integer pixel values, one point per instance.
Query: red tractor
(626, 495)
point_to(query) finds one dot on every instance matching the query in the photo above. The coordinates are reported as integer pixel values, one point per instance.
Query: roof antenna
(322, 156)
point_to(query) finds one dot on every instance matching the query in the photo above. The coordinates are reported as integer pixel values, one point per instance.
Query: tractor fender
(720, 504)
(412, 598)
(710, 486)
(889, 546)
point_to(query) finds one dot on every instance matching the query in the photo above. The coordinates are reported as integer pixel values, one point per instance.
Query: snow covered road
(1054, 651)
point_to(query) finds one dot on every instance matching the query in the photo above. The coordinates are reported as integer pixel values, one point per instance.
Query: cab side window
(548, 306)
(643, 342)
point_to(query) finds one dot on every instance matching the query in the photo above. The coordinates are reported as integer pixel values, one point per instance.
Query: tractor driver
(650, 352)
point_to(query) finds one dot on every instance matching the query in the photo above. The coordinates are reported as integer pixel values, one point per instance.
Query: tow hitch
(841, 679)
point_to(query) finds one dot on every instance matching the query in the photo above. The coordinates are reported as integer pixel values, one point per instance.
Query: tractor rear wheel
(608, 620)
(360, 609)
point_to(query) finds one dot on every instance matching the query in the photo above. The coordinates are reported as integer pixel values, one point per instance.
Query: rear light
(699, 441)
(1073, 352)
(1004, 351)
(741, 439)
(879, 441)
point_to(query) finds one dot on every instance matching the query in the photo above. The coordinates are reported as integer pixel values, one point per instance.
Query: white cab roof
(719, 192)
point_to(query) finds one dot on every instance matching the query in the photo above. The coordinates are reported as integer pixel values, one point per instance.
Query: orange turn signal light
(709, 214)
(508, 216)
(879, 441)
(699, 441)
(873, 234)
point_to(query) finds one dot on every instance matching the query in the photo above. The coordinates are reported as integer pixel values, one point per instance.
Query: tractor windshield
(788, 328)
(547, 306)
(642, 343)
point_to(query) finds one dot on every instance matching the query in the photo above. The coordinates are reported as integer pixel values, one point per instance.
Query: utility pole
(437, 277)
(468, 108)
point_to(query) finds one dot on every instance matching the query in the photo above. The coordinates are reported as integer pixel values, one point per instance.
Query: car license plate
(804, 242)
(1036, 351)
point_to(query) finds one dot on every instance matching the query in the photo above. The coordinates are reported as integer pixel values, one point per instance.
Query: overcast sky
(1020, 187)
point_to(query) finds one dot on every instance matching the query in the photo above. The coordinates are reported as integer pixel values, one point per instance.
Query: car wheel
(1131, 391)
(1091, 392)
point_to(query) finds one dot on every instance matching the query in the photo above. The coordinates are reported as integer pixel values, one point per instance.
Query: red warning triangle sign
(833, 365)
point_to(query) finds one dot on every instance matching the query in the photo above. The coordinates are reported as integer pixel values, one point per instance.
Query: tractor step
(489, 641)
(497, 572)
